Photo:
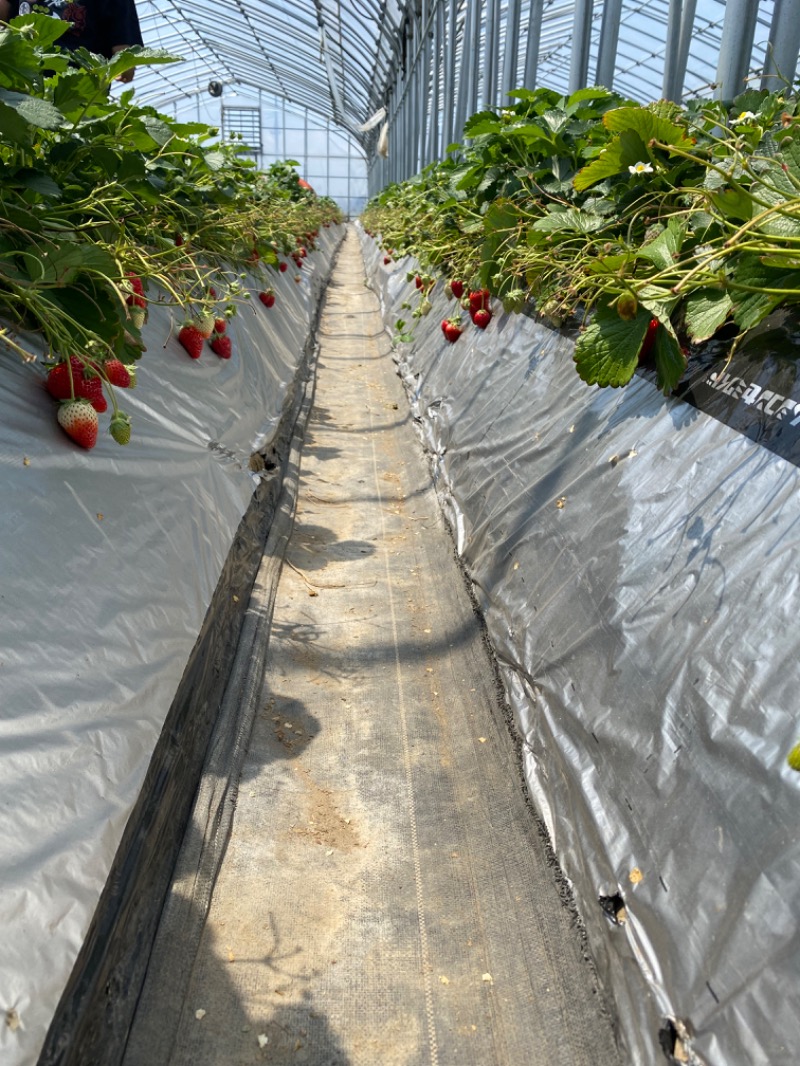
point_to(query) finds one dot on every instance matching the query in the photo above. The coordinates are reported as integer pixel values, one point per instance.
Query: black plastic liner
(755, 391)
(635, 557)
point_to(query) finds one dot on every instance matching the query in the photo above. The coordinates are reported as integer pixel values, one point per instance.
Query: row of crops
(107, 206)
(648, 228)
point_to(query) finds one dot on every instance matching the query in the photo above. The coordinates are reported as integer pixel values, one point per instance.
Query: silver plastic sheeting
(636, 562)
(108, 562)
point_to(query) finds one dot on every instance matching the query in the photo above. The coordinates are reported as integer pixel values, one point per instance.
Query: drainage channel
(385, 896)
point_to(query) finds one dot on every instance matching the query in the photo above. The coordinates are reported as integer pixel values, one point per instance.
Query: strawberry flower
(640, 168)
(746, 116)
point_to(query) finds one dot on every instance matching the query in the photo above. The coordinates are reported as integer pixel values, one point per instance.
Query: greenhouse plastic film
(635, 560)
(110, 559)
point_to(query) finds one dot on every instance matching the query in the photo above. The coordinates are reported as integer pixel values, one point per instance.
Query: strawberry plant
(645, 228)
(107, 206)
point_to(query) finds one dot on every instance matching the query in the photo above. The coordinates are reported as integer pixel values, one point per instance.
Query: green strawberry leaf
(129, 58)
(569, 220)
(706, 309)
(670, 360)
(66, 261)
(665, 249)
(733, 203)
(621, 152)
(751, 304)
(596, 92)
(33, 109)
(14, 130)
(607, 353)
(659, 301)
(482, 122)
(775, 189)
(647, 124)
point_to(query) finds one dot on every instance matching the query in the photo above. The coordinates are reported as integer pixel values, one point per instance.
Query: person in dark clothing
(102, 26)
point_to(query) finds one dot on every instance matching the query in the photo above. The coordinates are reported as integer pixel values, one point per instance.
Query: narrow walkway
(385, 899)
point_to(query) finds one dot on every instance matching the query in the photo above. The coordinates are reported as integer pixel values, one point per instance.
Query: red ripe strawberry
(117, 373)
(221, 345)
(85, 384)
(451, 327)
(267, 298)
(303, 253)
(136, 282)
(220, 325)
(212, 292)
(92, 390)
(283, 267)
(178, 240)
(192, 340)
(482, 318)
(136, 296)
(387, 260)
(479, 300)
(78, 419)
(58, 379)
(457, 288)
(418, 281)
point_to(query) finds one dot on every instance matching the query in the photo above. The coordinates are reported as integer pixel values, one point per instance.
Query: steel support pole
(463, 91)
(449, 63)
(400, 133)
(532, 43)
(434, 149)
(687, 29)
(669, 86)
(424, 82)
(394, 123)
(412, 99)
(405, 146)
(490, 54)
(780, 65)
(475, 62)
(736, 47)
(609, 39)
(511, 51)
(581, 33)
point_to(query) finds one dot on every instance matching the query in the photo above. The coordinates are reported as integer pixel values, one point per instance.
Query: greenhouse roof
(330, 57)
(343, 60)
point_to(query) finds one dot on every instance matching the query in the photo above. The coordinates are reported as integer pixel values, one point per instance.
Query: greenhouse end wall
(634, 559)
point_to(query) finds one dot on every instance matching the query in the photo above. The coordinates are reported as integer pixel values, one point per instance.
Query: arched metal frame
(432, 63)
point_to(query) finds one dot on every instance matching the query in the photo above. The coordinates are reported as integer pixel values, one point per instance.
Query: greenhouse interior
(403, 396)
